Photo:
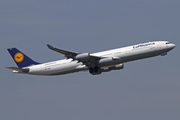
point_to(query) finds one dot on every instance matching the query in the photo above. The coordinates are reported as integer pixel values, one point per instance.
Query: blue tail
(20, 58)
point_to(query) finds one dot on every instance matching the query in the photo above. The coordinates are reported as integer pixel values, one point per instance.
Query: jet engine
(109, 61)
(117, 67)
(96, 70)
(83, 56)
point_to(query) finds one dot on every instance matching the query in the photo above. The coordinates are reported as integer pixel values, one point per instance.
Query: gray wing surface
(89, 62)
(66, 53)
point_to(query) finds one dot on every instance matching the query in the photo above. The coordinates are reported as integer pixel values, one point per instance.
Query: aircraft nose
(173, 45)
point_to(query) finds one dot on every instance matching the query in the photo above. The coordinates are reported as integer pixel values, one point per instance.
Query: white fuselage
(130, 53)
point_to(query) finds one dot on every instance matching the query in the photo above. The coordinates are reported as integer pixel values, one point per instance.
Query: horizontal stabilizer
(25, 70)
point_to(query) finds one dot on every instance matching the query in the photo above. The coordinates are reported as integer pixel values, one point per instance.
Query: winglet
(50, 47)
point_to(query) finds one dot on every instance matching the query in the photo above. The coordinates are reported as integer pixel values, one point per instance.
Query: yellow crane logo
(18, 57)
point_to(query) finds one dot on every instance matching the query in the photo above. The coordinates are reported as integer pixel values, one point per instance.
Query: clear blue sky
(144, 90)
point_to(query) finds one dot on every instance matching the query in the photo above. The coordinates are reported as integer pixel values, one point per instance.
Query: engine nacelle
(95, 71)
(109, 61)
(83, 56)
(117, 67)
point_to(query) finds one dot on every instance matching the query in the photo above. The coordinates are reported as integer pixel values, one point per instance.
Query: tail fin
(20, 58)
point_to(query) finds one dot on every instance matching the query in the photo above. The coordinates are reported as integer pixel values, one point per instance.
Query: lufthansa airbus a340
(95, 63)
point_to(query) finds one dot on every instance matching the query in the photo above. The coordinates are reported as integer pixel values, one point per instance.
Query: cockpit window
(168, 43)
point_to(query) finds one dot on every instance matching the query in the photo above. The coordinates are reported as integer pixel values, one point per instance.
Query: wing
(66, 53)
(86, 58)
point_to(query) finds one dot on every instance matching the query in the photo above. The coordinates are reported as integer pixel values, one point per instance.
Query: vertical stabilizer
(20, 58)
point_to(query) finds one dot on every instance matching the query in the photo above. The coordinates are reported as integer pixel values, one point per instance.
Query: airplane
(95, 63)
